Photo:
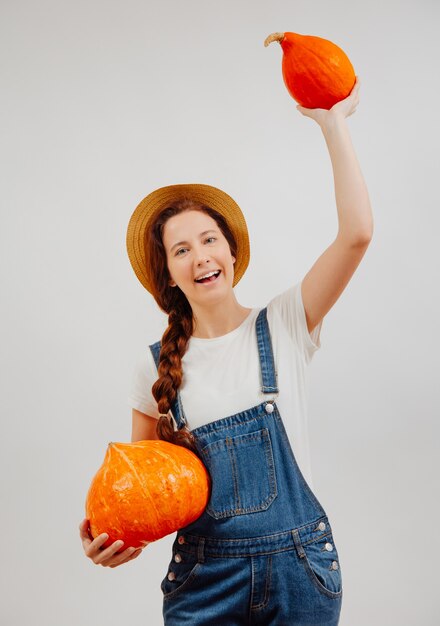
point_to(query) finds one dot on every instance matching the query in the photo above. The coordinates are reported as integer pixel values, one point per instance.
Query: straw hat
(157, 200)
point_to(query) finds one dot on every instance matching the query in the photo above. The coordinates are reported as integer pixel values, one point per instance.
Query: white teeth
(208, 275)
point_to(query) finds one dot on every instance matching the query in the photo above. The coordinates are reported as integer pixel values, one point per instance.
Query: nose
(201, 257)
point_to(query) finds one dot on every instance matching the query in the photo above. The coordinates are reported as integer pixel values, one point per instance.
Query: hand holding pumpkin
(105, 557)
(342, 109)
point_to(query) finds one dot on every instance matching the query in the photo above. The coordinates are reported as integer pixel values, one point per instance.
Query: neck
(218, 318)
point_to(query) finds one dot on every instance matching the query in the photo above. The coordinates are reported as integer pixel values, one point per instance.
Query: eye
(214, 238)
(180, 250)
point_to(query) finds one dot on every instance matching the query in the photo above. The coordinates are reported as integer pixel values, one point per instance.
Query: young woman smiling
(228, 382)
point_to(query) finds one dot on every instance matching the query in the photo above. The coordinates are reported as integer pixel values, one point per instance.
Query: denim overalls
(262, 552)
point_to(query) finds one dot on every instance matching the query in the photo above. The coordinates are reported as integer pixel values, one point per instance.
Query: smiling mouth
(211, 279)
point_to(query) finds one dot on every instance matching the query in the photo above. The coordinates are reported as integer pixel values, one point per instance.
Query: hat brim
(156, 201)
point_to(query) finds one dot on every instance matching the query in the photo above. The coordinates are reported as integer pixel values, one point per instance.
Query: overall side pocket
(321, 561)
(180, 574)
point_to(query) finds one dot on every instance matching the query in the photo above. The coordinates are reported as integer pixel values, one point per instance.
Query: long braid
(174, 344)
(180, 318)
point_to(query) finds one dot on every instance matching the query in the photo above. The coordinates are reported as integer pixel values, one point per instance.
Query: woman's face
(195, 246)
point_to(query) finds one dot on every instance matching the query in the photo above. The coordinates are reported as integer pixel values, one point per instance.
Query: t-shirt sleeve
(290, 308)
(143, 378)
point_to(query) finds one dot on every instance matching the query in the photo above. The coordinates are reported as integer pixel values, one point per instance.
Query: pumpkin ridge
(319, 58)
(167, 458)
(322, 66)
(133, 469)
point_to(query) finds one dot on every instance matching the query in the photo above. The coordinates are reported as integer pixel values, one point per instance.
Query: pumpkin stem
(274, 37)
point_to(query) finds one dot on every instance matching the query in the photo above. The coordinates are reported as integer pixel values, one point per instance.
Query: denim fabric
(263, 551)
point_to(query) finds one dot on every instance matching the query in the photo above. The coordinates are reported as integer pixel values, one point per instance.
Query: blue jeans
(263, 550)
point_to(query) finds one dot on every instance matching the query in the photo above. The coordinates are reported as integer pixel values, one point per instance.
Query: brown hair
(173, 301)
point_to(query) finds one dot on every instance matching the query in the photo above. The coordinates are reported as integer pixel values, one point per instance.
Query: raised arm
(330, 274)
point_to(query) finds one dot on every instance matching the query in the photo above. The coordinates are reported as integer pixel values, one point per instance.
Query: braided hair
(173, 301)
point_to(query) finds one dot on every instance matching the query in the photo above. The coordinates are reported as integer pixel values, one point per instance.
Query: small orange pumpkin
(146, 490)
(316, 72)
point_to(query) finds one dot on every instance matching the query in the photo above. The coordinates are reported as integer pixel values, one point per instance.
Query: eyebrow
(179, 243)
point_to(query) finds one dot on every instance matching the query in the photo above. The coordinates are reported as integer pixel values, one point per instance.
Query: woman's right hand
(106, 557)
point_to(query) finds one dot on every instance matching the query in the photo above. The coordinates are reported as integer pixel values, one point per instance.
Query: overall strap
(268, 376)
(265, 351)
(176, 409)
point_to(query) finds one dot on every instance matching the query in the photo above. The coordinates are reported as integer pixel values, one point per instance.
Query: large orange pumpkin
(146, 490)
(316, 72)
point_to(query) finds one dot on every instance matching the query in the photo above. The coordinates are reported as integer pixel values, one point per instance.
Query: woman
(223, 381)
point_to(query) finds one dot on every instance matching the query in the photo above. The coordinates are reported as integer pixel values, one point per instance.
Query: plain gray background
(105, 101)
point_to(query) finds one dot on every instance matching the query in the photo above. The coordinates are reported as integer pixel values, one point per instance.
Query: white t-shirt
(221, 375)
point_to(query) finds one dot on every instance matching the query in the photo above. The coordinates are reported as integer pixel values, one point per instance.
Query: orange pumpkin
(146, 490)
(316, 72)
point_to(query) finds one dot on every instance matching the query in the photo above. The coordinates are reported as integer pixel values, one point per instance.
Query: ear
(172, 283)
(233, 259)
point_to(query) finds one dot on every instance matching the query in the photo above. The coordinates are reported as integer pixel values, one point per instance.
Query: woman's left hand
(341, 109)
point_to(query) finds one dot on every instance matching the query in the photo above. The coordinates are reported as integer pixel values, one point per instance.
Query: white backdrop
(105, 101)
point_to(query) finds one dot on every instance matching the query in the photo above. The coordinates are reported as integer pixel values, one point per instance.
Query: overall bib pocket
(242, 473)
(182, 571)
(321, 562)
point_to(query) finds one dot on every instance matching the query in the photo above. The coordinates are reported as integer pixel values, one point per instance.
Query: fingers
(356, 87)
(84, 533)
(95, 551)
(128, 555)
(107, 557)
